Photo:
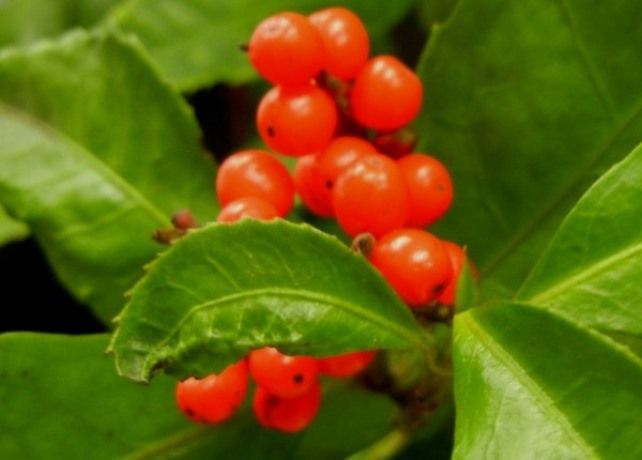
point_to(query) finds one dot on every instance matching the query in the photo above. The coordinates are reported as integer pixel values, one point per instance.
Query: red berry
(255, 173)
(415, 263)
(340, 154)
(386, 94)
(287, 415)
(346, 365)
(315, 175)
(216, 397)
(183, 220)
(429, 186)
(345, 41)
(310, 184)
(458, 257)
(296, 121)
(286, 49)
(282, 375)
(371, 196)
(250, 207)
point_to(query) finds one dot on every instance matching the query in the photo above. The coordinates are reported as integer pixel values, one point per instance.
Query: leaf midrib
(540, 396)
(355, 310)
(84, 156)
(586, 274)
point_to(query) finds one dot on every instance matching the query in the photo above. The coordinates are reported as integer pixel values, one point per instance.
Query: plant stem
(384, 448)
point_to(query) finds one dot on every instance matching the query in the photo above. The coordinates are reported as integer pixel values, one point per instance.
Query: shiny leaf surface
(226, 289)
(527, 103)
(591, 271)
(529, 384)
(93, 168)
(196, 43)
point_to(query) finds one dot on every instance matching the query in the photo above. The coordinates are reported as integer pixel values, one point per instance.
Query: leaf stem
(384, 448)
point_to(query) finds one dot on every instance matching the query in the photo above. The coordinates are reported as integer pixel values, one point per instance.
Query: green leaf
(226, 289)
(11, 229)
(529, 384)
(96, 154)
(196, 43)
(591, 271)
(62, 399)
(527, 103)
(25, 21)
(466, 294)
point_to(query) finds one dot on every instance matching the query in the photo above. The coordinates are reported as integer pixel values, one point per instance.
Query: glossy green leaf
(11, 229)
(25, 21)
(96, 154)
(529, 384)
(62, 399)
(466, 296)
(527, 103)
(591, 270)
(196, 43)
(226, 289)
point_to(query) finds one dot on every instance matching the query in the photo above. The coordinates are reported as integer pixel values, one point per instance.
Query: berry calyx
(345, 41)
(430, 188)
(296, 121)
(371, 197)
(386, 94)
(346, 365)
(287, 414)
(286, 49)
(255, 173)
(247, 207)
(216, 397)
(282, 375)
(415, 263)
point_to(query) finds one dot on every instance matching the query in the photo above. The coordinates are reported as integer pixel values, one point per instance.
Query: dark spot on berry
(441, 187)
(298, 378)
(329, 184)
(439, 288)
(270, 131)
(189, 411)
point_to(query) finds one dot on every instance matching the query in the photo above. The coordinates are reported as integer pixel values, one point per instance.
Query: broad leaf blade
(25, 21)
(11, 229)
(591, 272)
(527, 103)
(196, 43)
(62, 399)
(226, 289)
(97, 153)
(529, 384)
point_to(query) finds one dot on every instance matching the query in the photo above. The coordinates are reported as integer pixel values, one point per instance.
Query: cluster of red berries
(343, 116)
(287, 395)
